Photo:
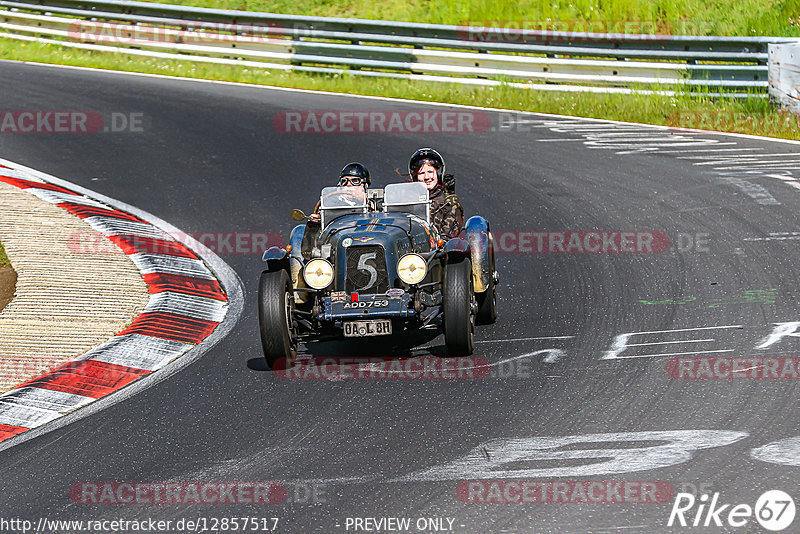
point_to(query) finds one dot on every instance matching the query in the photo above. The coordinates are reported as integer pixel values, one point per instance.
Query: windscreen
(343, 197)
(338, 201)
(408, 198)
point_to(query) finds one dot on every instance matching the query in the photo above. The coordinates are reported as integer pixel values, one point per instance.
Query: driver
(427, 166)
(353, 175)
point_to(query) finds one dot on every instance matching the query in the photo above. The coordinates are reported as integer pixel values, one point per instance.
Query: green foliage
(676, 17)
(3, 258)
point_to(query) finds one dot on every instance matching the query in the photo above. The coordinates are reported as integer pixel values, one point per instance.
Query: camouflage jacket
(447, 218)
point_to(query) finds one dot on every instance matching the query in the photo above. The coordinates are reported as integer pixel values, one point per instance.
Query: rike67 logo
(774, 511)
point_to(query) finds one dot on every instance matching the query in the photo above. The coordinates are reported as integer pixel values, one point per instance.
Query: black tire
(459, 316)
(487, 301)
(275, 305)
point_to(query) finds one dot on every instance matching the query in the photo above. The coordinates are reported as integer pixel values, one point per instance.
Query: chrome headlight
(318, 274)
(411, 269)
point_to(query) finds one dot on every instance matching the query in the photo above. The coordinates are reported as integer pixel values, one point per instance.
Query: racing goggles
(351, 180)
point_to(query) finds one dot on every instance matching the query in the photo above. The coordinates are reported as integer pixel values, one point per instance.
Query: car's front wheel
(275, 305)
(459, 308)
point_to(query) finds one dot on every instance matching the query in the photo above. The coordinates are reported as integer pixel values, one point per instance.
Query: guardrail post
(784, 75)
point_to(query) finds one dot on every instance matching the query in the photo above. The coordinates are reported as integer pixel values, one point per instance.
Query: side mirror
(297, 215)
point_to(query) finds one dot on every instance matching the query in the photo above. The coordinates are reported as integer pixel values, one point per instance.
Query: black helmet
(426, 155)
(357, 171)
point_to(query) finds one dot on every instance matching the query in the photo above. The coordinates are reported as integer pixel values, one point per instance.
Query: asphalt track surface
(210, 160)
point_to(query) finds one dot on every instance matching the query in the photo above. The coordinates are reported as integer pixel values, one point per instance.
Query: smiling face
(427, 174)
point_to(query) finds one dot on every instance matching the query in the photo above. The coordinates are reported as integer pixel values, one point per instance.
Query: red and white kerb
(186, 304)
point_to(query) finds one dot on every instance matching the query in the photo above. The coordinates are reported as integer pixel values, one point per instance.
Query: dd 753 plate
(375, 327)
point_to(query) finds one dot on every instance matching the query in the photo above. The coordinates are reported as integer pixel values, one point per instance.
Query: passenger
(447, 215)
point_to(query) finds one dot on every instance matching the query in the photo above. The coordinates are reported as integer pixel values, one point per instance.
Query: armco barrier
(468, 54)
(784, 75)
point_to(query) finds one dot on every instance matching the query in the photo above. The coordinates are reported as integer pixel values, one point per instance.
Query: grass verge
(675, 17)
(3, 257)
(8, 279)
(749, 116)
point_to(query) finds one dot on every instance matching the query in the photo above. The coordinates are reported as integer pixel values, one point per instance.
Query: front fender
(296, 262)
(296, 240)
(456, 249)
(481, 248)
(276, 258)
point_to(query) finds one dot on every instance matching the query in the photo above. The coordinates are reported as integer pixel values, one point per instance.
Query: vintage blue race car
(375, 266)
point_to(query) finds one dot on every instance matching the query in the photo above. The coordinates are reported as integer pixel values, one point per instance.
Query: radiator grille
(366, 270)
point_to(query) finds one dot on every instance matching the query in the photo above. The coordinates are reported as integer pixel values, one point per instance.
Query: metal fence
(784, 75)
(544, 60)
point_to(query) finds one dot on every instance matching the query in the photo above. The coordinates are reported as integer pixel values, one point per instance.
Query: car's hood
(373, 243)
(397, 231)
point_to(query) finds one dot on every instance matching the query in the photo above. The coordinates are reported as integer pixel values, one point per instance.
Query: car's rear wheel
(275, 306)
(459, 308)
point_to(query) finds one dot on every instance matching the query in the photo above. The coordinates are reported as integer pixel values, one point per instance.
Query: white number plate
(378, 327)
